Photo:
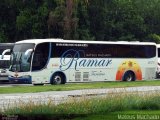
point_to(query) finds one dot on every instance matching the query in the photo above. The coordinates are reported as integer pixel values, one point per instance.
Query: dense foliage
(104, 20)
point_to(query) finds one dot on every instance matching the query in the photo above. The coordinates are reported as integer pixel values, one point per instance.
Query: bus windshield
(19, 61)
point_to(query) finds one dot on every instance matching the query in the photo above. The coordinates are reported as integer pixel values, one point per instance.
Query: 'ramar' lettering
(72, 58)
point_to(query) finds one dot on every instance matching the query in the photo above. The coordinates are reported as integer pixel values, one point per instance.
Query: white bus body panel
(84, 74)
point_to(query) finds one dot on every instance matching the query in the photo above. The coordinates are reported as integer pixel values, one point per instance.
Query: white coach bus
(57, 61)
(5, 60)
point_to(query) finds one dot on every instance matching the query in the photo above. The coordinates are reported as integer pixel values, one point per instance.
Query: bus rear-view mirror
(4, 52)
(27, 53)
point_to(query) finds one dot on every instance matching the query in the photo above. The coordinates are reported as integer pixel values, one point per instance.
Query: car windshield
(19, 61)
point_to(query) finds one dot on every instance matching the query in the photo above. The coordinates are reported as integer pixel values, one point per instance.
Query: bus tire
(38, 84)
(58, 78)
(129, 76)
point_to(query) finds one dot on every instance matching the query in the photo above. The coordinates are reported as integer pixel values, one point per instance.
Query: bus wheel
(58, 78)
(129, 76)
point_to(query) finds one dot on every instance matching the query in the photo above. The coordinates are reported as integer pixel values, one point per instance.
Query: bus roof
(37, 41)
(4, 44)
(158, 45)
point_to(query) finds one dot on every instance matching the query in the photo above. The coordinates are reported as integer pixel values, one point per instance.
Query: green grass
(74, 86)
(122, 115)
(108, 107)
(134, 115)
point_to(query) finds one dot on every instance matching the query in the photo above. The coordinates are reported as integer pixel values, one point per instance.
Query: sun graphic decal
(129, 65)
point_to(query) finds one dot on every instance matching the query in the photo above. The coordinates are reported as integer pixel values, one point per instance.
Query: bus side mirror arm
(4, 52)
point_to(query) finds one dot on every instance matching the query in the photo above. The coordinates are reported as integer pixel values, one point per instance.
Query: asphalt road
(13, 100)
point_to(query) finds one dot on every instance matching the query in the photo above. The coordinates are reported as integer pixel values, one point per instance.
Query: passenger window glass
(158, 52)
(41, 56)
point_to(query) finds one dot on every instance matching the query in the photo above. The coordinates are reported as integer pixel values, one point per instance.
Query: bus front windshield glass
(19, 61)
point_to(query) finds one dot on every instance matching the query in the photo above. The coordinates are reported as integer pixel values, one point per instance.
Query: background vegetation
(104, 20)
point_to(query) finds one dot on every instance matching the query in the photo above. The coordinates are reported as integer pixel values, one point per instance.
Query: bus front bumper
(23, 79)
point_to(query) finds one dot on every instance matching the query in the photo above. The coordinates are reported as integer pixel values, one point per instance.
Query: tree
(106, 20)
(97, 16)
(55, 20)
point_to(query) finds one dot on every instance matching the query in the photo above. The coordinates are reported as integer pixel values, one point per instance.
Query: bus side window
(41, 56)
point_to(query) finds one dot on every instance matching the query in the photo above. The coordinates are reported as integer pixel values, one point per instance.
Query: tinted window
(41, 56)
(105, 50)
(158, 52)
